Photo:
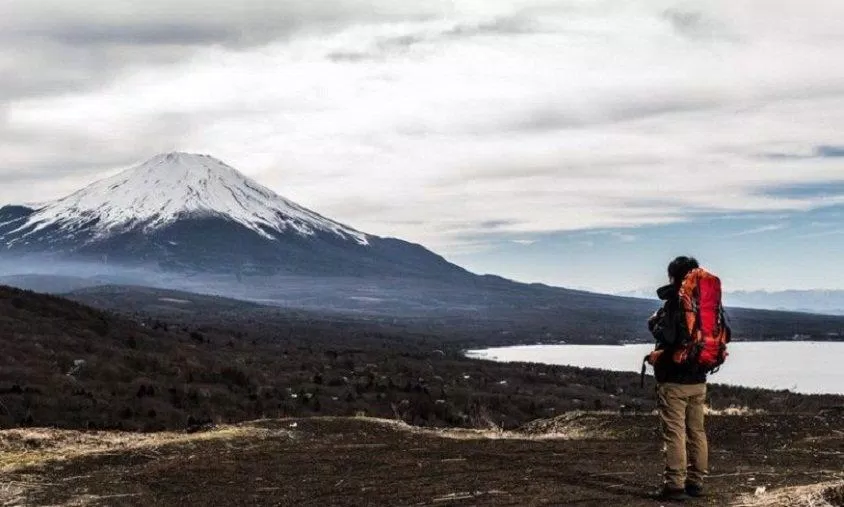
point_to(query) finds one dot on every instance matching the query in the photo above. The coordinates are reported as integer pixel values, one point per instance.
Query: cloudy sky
(575, 142)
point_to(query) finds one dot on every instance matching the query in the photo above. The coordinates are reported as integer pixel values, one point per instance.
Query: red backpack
(700, 298)
(708, 331)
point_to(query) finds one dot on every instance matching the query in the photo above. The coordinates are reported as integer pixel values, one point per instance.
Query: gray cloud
(508, 173)
(698, 25)
(381, 48)
(512, 172)
(48, 163)
(350, 56)
(517, 24)
(48, 68)
(827, 151)
(130, 34)
(51, 48)
(820, 151)
(58, 47)
(821, 189)
(495, 224)
(631, 106)
(242, 23)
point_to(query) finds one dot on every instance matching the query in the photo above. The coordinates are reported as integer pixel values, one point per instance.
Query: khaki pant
(681, 415)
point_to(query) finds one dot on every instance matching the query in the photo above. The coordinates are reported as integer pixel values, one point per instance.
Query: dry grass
(816, 495)
(734, 411)
(24, 451)
(576, 425)
(25, 448)
(31, 449)
(571, 426)
(12, 494)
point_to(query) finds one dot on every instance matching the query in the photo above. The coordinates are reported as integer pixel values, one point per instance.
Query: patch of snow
(813, 495)
(174, 300)
(9, 221)
(366, 299)
(175, 185)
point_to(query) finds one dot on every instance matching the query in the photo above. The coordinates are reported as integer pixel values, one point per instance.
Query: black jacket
(669, 331)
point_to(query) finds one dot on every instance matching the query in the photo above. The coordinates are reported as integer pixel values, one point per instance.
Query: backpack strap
(644, 370)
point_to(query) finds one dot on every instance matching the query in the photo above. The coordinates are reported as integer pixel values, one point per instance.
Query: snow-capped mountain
(194, 211)
(173, 186)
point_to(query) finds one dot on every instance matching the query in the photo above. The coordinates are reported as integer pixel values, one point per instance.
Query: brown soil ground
(581, 459)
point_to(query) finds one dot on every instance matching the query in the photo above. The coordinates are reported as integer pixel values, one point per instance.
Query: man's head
(680, 267)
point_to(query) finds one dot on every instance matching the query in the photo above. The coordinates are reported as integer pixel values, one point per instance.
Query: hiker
(691, 336)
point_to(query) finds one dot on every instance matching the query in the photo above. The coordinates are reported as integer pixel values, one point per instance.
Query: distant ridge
(829, 302)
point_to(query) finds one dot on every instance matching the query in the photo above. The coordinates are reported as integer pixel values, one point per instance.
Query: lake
(803, 367)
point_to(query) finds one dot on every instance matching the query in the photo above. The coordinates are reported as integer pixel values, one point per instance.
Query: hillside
(488, 311)
(492, 312)
(67, 365)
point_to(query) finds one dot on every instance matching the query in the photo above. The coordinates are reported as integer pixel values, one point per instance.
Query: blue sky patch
(774, 251)
(806, 190)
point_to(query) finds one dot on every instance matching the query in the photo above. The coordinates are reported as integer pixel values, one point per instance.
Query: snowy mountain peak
(177, 185)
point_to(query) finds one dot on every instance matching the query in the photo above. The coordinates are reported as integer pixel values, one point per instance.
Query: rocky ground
(579, 458)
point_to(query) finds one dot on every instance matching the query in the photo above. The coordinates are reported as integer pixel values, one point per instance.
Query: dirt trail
(578, 459)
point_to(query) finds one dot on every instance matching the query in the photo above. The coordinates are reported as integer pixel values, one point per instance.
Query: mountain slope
(484, 316)
(185, 212)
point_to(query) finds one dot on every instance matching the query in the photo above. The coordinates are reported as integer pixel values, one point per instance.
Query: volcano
(182, 211)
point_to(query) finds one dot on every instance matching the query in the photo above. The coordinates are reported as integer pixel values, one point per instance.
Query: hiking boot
(694, 490)
(670, 494)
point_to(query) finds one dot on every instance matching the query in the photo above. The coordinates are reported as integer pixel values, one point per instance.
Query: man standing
(681, 392)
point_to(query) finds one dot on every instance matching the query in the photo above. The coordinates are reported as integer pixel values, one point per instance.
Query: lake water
(804, 367)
